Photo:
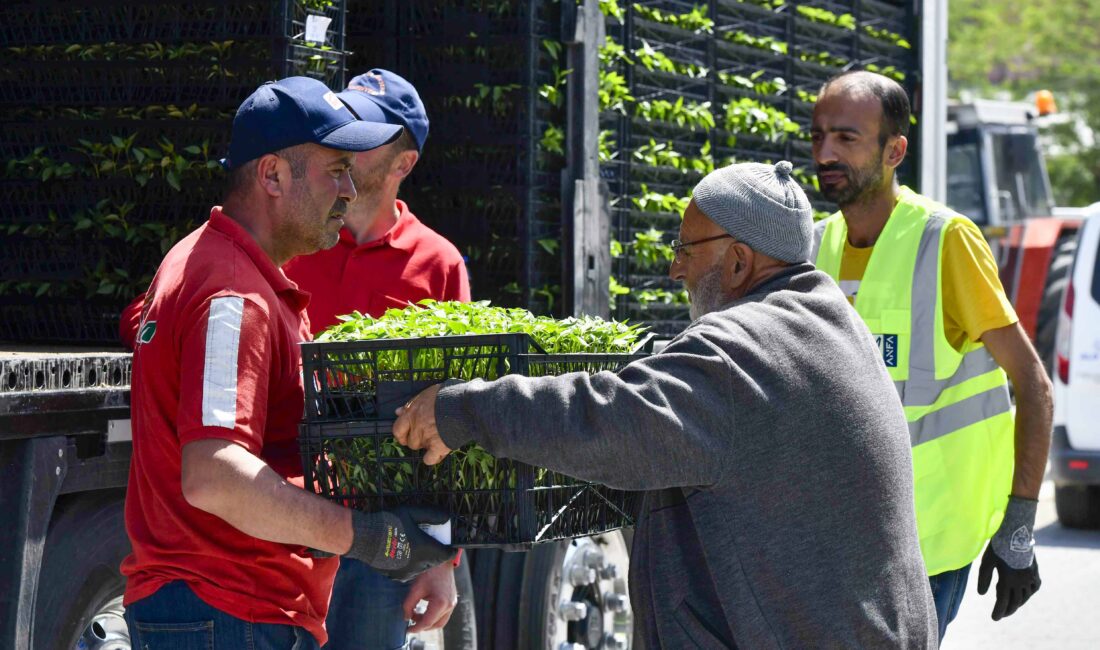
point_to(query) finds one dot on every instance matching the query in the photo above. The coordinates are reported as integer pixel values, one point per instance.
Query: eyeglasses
(678, 245)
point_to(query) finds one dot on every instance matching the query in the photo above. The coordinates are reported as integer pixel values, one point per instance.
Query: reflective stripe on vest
(956, 401)
(921, 393)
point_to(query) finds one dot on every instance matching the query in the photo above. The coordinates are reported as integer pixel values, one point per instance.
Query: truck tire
(461, 631)
(1078, 506)
(1057, 280)
(80, 587)
(559, 605)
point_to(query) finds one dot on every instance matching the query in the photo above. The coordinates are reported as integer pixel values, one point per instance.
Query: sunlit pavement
(1064, 615)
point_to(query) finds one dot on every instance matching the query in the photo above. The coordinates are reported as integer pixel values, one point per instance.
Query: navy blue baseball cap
(382, 96)
(298, 110)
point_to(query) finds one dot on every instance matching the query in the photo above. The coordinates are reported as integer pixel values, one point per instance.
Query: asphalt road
(1062, 616)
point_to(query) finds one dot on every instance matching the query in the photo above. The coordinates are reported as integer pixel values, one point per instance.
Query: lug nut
(581, 576)
(609, 572)
(573, 611)
(614, 602)
(593, 558)
(613, 642)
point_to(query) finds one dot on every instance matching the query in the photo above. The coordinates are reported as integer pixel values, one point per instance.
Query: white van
(1075, 448)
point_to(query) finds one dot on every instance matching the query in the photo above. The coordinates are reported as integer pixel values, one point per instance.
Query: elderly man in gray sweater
(768, 437)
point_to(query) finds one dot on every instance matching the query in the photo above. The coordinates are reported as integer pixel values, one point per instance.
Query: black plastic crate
(30, 201)
(131, 83)
(49, 320)
(76, 21)
(352, 389)
(327, 65)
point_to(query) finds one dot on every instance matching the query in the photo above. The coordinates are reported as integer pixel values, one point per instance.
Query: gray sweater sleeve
(664, 421)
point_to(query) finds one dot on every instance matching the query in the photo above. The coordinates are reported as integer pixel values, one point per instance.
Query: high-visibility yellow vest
(956, 401)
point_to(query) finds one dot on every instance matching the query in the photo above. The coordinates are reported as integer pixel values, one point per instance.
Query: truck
(65, 445)
(997, 176)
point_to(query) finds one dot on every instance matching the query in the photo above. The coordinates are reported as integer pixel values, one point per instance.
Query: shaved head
(859, 84)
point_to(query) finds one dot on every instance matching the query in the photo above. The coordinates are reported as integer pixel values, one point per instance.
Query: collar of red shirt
(274, 275)
(401, 236)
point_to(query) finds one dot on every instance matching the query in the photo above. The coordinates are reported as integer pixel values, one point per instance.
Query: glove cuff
(1014, 541)
(380, 540)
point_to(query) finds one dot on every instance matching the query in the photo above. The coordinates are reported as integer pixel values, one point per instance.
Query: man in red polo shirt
(385, 258)
(220, 533)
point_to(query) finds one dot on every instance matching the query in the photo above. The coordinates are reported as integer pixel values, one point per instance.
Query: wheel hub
(589, 630)
(107, 629)
(593, 602)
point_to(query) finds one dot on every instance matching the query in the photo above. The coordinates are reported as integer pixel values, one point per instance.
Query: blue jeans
(948, 589)
(174, 618)
(366, 609)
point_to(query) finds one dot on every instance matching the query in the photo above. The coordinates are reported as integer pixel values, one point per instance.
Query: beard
(370, 182)
(860, 182)
(706, 296)
(312, 231)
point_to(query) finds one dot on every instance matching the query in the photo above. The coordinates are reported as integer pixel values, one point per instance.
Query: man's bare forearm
(227, 481)
(1034, 405)
(1034, 413)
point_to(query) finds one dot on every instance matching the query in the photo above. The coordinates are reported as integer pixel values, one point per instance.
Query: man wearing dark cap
(215, 511)
(768, 437)
(385, 257)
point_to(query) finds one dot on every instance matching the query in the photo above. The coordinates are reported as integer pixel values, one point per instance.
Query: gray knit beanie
(760, 205)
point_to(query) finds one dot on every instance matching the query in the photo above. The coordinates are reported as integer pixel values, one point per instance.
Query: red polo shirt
(409, 263)
(218, 357)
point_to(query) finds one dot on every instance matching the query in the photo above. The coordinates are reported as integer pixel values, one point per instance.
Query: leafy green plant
(748, 115)
(496, 100)
(606, 144)
(615, 290)
(434, 318)
(611, 9)
(647, 297)
(768, 43)
(119, 156)
(887, 71)
(888, 36)
(774, 5)
(614, 92)
(755, 82)
(352, 460)
(663, 154)
(695, 20)
(650, 251)
(824, 16)
(654, 59)
(612, 53)
(553, 140)
(693, 115)
(659, 202)
(553, 93)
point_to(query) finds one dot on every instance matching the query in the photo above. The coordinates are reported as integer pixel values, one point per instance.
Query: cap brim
(363, 106)
(360, 136)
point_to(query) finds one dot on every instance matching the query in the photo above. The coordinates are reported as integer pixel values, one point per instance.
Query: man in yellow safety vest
(924, 280)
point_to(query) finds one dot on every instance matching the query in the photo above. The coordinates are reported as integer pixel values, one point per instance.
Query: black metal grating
(746, 47)
(112, 119)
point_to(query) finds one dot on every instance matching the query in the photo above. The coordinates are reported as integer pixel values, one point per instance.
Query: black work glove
(1012, 552)
(392, 543)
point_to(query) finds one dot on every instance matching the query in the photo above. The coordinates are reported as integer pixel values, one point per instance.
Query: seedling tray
(349, 454)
